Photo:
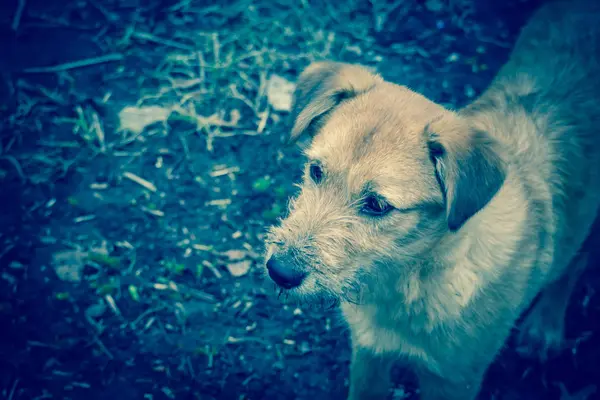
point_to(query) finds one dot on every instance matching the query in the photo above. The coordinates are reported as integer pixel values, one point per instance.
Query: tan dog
(437, 229)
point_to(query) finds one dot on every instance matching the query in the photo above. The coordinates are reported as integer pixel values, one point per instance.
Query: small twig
(97, 126)
(262, 123)
(13, 390)
(6, 250)
(113, 305)
(235, 340)
(212, 269)
(75, 64)
(143, 315)
(35, 343)
(186, 148)
(261, 91)
(84, 218)
(216, 49)
(151, 211)
(381, 16)
(103, 348)
(237, 95)
(18, 14)
(201, 68)
(219, 202)
(43, 396)
(224, 171)
(190, 367)
(151, 38)
(15, 163)
(202, 247)
(107, 14)
(140, 181)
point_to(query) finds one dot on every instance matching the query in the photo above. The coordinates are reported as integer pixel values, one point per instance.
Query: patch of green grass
(174, 267)
(280, 191)
(105, 260)
(262, 184)
(109, 287)
(273, 213)
(199, 270)
(134, 293)
(62, 296)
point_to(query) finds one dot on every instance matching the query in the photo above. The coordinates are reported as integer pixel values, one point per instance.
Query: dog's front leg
(459, 385)
(369, 375)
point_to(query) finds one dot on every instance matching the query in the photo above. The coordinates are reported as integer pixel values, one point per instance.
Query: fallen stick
(18, 15)
(75, 64)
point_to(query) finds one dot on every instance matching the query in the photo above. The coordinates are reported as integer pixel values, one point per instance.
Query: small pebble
(304, 348)
(453, 57)
(16, 265)
(469, 91)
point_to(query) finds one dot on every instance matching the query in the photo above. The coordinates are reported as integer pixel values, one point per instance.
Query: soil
(145, 306)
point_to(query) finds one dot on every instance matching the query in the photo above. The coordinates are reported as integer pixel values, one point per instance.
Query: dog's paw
(541, 334)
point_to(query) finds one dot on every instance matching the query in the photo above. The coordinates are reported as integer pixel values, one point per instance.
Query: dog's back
(560, 45)
(549, 93)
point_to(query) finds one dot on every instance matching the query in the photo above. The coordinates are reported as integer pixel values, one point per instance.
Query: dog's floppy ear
(468, 165)
(321, 87)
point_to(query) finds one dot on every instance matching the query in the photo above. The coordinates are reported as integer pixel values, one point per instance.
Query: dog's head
(389, 174)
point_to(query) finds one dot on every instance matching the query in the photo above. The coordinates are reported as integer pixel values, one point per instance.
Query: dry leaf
(235, 255)
(69, 264)
(279, 93)
(240, 268)
(136, 119)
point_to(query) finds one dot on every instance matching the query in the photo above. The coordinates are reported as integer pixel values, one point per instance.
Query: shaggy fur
(492, 205)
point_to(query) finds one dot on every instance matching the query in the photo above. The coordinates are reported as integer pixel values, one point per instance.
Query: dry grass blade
(212, 269)
(167, 42)
(112, 304)
(224, 171)
(16, 165)
(18, 14)
(13, 390)
(156, 213)
(140, 181)
(97, 127)
(104, 349)
(235, 340)
(75, 64)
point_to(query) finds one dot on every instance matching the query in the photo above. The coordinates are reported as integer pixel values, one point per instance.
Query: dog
(436, 229)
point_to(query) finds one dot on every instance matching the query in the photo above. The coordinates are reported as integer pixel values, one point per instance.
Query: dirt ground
(130, 256)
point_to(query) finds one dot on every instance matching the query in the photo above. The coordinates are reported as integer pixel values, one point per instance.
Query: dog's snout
(284, 272)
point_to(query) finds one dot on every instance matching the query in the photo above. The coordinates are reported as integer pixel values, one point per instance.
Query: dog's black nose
(283, 271)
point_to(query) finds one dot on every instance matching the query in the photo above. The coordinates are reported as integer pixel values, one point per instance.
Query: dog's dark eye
(316, 173)
(375, 206)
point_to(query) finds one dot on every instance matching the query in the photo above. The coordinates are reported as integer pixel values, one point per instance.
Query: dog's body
(488, 207)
